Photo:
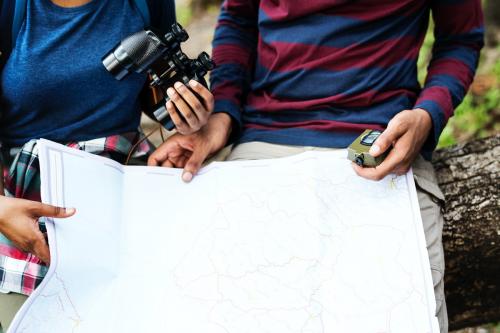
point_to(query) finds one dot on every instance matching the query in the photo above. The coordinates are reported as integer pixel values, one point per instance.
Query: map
(292, 245)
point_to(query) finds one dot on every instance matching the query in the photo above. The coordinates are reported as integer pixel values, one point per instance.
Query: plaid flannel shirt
(22, 272)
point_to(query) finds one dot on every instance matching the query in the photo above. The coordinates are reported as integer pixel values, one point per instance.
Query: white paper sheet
(298, 244)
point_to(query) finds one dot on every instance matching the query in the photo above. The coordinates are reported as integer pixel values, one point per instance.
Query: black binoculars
(162, 58)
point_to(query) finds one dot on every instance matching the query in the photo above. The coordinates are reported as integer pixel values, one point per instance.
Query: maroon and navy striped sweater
(318, 72)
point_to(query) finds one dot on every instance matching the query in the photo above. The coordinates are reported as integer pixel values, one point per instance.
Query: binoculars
(162, 58)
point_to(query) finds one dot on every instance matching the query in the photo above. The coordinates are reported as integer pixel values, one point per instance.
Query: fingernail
(177, 85)
(170, 92)
(70, 210)
(187, 177)
(374, 149)
(193, 83)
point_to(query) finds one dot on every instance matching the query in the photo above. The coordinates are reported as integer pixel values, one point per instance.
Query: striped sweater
(318, 72)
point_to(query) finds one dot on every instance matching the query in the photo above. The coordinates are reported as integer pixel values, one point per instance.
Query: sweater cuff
(234, 111)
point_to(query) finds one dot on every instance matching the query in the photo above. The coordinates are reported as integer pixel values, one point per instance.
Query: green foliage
(184, 15)
(472, 119)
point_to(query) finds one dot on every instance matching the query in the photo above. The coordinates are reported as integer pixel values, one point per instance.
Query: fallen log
(469, 175)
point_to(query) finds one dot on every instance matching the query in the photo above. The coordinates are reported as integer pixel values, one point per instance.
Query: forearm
(459, 39)
(235, 44)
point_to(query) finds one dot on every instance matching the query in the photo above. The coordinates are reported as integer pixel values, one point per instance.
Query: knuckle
(175, 97)
(171, 112)
(197, 107)
(169, 105)
(189, 116)
(176, 122)
(34, 206)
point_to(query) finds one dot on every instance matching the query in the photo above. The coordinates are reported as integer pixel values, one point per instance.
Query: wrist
(425, 119)
(221, 125)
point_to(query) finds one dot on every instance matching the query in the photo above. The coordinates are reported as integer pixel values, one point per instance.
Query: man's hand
(19, 223)
(195, 110)
(406, 132)
(190, 151)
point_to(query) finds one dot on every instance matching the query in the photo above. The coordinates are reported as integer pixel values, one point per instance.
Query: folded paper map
(298, 244)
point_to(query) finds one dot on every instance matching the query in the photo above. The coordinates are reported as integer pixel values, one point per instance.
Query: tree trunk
(492, 18)
(469, 177)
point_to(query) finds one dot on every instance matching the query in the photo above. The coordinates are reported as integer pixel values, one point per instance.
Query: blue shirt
(54, 85)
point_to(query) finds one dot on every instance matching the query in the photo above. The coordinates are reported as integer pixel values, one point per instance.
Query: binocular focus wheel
(179, 32)
(205, 60)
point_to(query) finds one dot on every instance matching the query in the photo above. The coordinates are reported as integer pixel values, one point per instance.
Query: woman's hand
(195, 110)
(19, 223)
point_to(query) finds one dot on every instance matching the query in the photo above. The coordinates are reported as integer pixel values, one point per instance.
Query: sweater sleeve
(459, 36)
(234, 50)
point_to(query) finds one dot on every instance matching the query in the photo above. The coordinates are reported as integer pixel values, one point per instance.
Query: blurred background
(477, 117)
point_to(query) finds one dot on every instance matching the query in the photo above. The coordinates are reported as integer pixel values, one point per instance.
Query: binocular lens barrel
(118, 63)
(138, 51)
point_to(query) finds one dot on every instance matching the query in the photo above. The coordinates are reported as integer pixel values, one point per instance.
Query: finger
(402, 169)
(162, 153)
(193, 102)
(205, 94)
(179, 123)
(394, 130)
(181, 162)
(41, 249)
(40, 209)
(175, 161)
(194, 163)
(167, 164)
(183, 108)
(391, 162)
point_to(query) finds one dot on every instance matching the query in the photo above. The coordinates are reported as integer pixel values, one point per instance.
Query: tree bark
(469, 177)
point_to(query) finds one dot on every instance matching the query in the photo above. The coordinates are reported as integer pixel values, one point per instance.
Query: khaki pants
(429, 196)
(430, 199)
(9, 305)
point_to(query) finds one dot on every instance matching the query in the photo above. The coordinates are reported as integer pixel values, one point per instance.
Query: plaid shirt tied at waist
(22, 272)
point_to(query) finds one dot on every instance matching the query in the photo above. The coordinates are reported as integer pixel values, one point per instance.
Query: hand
(195, 110)
(189, 151)
(407, 132)
(19, 223)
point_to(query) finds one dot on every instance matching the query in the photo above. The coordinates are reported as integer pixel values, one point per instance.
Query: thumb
(393, 131)
(194, 163)
(52, 211)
